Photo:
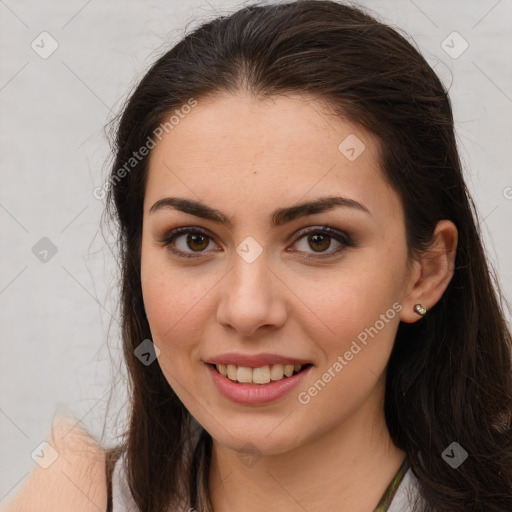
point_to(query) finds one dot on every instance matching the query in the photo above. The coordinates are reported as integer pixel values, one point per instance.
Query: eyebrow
(278, 218)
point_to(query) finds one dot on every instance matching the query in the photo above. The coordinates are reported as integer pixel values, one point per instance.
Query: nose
(252, 298)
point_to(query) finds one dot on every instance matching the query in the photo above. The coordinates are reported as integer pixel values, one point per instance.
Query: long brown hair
(449, 374)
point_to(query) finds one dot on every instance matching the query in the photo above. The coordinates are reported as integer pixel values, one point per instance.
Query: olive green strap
(390, 492)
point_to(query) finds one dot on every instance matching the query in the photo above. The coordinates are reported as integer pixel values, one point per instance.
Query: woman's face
(264, 278)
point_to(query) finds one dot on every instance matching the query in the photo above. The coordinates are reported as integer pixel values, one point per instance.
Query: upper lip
(255, 360)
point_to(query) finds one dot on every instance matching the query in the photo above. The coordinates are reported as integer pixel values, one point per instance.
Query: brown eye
(196, 242)
(187, 242)
(320, 240)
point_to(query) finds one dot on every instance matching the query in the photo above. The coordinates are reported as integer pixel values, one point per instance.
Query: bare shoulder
(75, 479)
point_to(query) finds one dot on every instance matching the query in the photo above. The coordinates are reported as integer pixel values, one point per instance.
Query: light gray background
(57, 353)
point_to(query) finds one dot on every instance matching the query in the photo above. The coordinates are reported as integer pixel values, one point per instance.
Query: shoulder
(74, 479)
(121, 497)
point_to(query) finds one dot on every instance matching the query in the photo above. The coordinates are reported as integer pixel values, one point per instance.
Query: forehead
(234, 147)
(249, 127)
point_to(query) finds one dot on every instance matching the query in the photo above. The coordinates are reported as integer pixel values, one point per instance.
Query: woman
(309, 321)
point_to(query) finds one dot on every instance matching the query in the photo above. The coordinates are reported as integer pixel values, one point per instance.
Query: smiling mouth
(260, 375)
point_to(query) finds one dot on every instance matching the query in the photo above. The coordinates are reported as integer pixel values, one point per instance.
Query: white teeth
(231, 369)
(260, 375)
(276, 372)
(288, 370)
(244, 374)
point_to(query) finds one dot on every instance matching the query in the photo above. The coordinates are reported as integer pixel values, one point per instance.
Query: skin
(247, 158)
(75, 480)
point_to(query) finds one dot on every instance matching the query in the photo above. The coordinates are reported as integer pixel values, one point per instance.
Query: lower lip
(253, 394)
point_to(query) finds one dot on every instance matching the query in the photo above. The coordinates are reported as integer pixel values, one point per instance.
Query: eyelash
(341, 237)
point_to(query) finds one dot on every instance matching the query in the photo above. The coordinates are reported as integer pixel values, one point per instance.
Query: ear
(432, 272)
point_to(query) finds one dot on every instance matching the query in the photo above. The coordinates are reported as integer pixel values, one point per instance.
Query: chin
(257, 437)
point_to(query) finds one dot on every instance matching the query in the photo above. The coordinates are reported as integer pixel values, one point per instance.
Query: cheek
(177, 309)
(354, 328)
(360, 305)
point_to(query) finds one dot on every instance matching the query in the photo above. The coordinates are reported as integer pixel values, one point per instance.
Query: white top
(122, 500)
(406, 493)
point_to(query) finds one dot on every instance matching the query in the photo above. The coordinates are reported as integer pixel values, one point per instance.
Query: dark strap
(111, 457)
(390, 492)
(113, 454)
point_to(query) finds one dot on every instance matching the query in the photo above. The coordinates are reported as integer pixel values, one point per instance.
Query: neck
(347, 468)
